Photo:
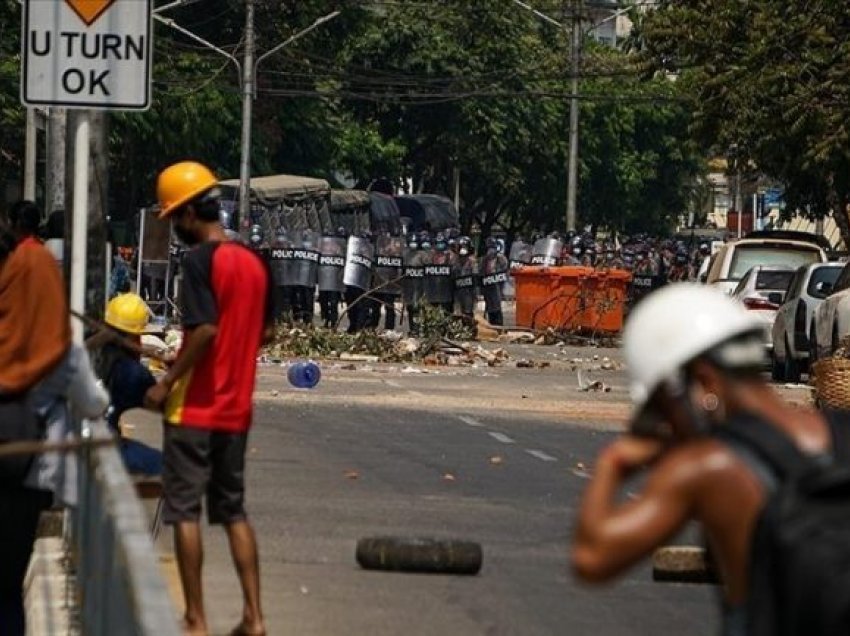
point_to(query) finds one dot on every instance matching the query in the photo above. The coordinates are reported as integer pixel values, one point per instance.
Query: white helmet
(672, 327)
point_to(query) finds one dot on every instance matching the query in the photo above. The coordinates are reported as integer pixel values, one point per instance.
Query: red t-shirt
(227, 285)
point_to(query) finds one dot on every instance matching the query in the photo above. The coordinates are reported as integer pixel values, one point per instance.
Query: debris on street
(590, 384)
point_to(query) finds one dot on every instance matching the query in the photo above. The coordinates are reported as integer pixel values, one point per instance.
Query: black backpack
(800, 554)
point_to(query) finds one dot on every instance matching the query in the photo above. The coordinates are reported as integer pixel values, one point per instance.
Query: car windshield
(822, 275)
(773, 280)
(748, 256)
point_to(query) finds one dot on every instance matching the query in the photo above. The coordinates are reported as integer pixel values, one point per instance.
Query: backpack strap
(769, 443)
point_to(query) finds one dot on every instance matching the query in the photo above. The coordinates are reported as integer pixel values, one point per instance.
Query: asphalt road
(350, 460)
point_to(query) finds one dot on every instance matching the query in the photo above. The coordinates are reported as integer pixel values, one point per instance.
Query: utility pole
(572, 156)
(247, 70)
(247, 102)
(738, 203)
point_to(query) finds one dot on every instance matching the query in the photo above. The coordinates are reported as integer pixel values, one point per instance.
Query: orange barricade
(606, 292)
(571, 298)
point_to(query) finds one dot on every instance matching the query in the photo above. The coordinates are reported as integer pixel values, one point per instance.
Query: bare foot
(244, 629)
(193, 628)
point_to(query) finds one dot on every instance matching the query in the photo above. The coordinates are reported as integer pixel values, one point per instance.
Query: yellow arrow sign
(89, 10)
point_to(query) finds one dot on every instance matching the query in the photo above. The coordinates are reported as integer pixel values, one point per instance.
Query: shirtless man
(695, 364)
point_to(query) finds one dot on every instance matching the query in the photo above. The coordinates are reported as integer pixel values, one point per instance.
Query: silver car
(736, 258)
(762, 291)
(792, 327)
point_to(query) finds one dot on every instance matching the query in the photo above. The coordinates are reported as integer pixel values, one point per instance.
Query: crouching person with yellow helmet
(126, 378)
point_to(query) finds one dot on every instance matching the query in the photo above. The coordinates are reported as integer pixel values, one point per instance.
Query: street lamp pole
(247, 70)
(247, 107)
(575, 54)
(572, 160)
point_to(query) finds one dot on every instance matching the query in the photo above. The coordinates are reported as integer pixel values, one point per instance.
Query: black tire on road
(777, 369)
(813, 346)
(433, 556)
(792, 367)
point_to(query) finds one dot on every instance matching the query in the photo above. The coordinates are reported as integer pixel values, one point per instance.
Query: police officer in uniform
(589, 259)
(439, 286)
(282, 268)
(680, 271)
(465, 272)
(389, 263)
(613, 260)
(414, 273)
(359, 309)
(305, 291)
(331, 266)
(576, 252)
(494, 274)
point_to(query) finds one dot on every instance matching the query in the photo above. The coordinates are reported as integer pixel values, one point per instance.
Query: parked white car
(791, 329)
(762, 291)
(831, 322)
(736, 258)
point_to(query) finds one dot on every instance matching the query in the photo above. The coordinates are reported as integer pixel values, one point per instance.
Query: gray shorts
(198, 461)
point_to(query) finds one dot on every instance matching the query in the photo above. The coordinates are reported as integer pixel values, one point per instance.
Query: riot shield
(359, 259)
(281, 260)
(439, 280)
(465, 291)
(389, 262)
(414, 275)
(642, 285)
(306, 255)
(546, 252)
(331, 263)
(520, 254)
(494, 271)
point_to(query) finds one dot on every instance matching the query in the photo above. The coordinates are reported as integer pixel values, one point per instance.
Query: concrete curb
(48, 590)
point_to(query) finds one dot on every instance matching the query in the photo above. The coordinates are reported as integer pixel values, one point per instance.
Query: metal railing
(119, 586)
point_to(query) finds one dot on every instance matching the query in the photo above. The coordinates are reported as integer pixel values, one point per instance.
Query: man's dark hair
(25, 217)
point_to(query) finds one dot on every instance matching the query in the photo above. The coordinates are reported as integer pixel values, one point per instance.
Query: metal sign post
(87, 54)
(80, 220)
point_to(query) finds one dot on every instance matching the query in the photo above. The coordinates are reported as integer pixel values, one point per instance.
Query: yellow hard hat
(128, 313)
(180, 183)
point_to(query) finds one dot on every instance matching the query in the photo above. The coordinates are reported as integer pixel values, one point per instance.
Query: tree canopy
(770, 79)
(417, 92)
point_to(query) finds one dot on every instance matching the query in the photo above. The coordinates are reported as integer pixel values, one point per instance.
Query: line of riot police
(373, 275)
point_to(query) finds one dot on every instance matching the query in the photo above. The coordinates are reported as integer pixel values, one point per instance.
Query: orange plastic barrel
(604, 300)
(549, 297)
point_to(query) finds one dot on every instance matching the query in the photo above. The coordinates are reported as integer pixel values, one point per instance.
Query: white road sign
(87, 53)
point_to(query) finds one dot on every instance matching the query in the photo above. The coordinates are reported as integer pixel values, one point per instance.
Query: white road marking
(501, 437)
(470, 420)
(393, 384)
(539, 454)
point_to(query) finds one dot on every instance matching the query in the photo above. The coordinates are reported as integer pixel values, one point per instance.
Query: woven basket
(832, 382)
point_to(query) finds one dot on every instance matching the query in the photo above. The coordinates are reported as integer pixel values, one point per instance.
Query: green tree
(12, 116)
(772, 78)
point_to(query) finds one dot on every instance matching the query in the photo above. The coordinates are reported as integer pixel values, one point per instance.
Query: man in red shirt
(207, 394)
